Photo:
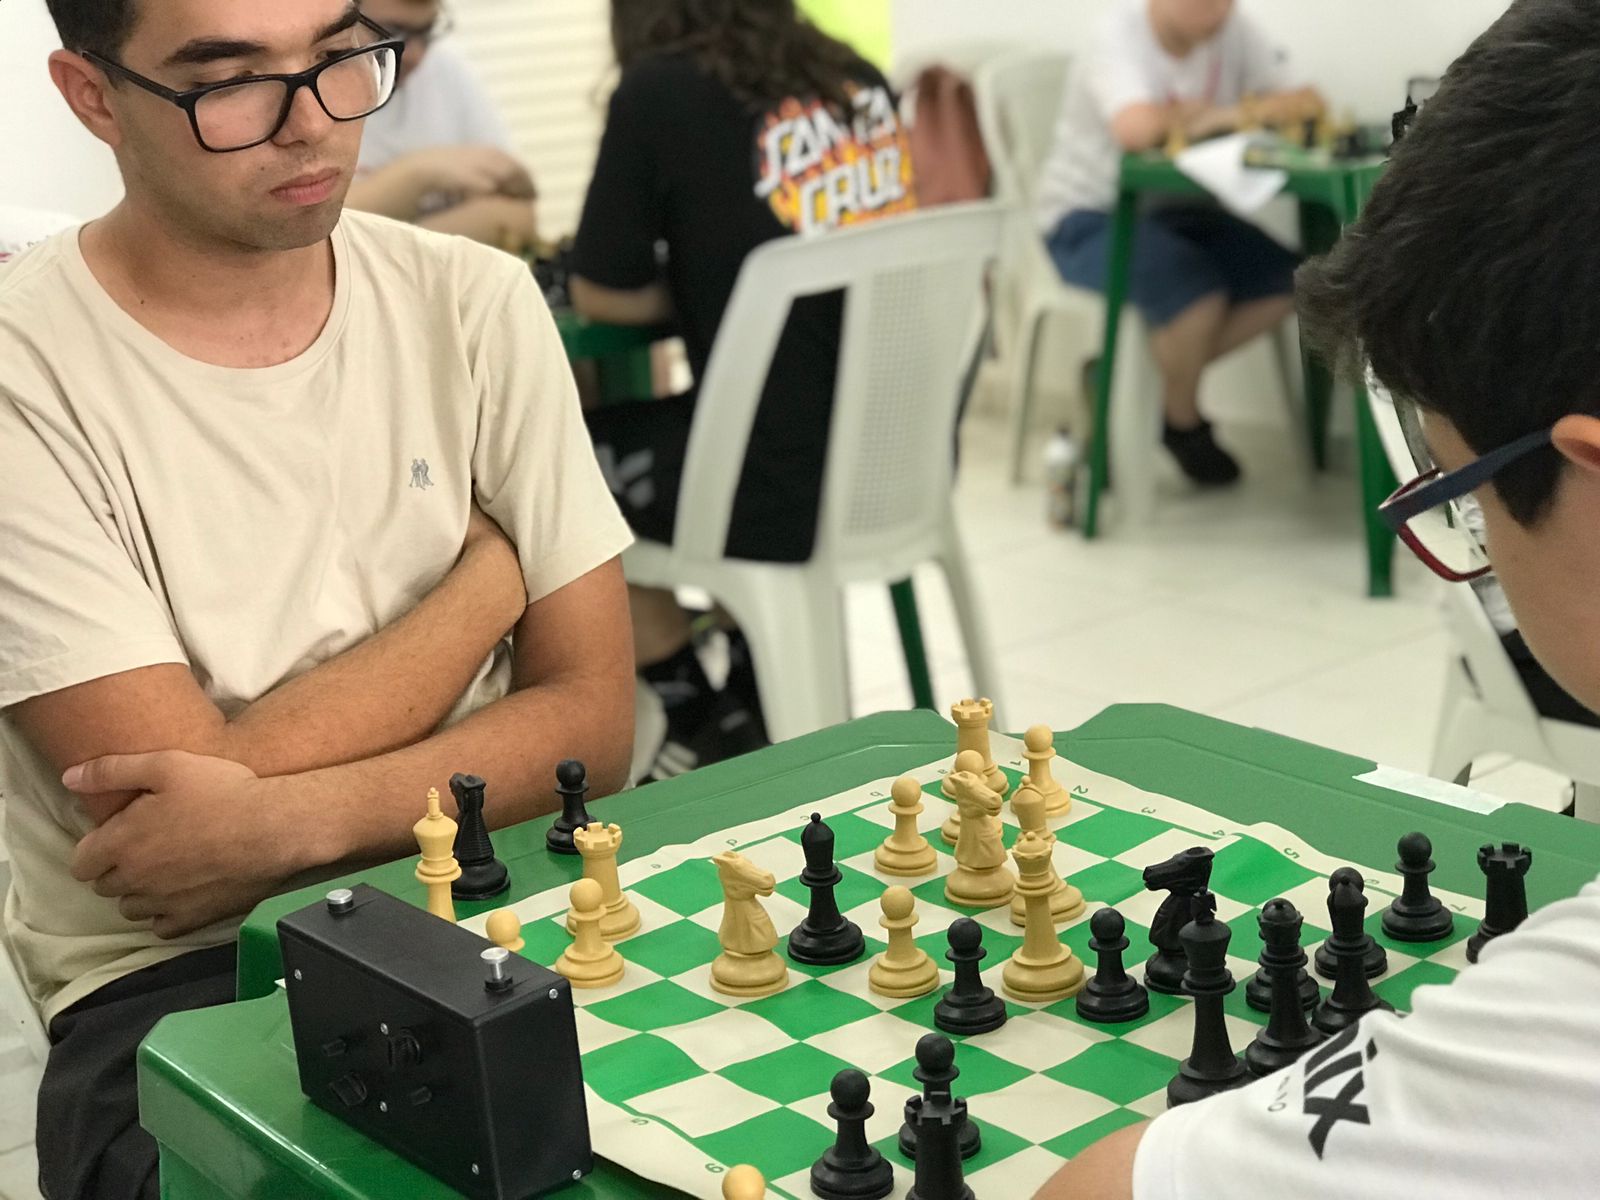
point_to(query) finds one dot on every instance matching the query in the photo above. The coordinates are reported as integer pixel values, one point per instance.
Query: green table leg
(1319, 230)
(1122, 230)
(904, 595)
(1377, 485)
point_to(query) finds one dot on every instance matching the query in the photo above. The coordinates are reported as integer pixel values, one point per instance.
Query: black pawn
(825, 937)
(851, 1169)
(572, 785)
(1276, 955)
(1375, 959)
(1212, 1066)
(1416, 915)
(939, 1151)
(1112, 995)
(1287, 1035)
(969, 1006)
(1184, 876)
(482, 874)
(1505, 894)
(1352, 996)
(937, 1071)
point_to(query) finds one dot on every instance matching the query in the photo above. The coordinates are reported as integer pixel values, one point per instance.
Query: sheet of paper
(1219, 167)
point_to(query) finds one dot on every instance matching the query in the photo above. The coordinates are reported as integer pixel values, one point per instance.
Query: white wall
(1360, 52)
(46, 159)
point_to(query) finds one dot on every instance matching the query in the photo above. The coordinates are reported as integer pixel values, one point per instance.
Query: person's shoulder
(424, 259)
(661, 78)
(32, 282)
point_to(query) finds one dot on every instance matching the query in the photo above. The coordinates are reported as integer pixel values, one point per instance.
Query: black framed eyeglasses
(241, 113)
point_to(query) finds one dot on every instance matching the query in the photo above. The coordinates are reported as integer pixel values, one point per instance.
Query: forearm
(389, 691)
(1102, 1172)
(503, 222)
(649, 305)
(394, 191)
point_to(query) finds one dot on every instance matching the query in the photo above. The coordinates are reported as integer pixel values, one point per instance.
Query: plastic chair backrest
(913, 316)
(1019, 103)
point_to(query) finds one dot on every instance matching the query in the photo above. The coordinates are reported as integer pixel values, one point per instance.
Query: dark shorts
(1180, 256)
(89, 1141)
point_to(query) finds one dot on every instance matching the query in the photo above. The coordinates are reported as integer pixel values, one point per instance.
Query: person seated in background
(1487, 334)
(732, 124)
(439, 154)
(1205, 281)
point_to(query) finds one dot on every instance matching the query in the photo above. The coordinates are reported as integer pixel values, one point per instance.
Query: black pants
(1549, 697)
(89, 1141)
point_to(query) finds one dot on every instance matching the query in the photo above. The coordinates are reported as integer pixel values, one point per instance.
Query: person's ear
(84, 87)
(1577, 437)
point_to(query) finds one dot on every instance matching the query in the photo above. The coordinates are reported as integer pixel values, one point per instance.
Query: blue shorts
(1180, 256)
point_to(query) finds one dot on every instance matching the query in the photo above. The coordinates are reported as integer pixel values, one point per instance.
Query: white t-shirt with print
(441, 103)
(252, 524)
(1490, 1089)
(1125, 65)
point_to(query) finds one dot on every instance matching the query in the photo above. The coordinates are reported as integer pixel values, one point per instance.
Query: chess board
(684, 1082)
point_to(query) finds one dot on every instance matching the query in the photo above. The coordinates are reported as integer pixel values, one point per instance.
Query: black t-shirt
(684, 163)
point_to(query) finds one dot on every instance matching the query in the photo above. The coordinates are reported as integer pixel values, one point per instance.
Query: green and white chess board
(684, 1082)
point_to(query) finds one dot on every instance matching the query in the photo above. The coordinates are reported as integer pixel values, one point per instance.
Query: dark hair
(99, 26)
(762, 50)
(1471, 283)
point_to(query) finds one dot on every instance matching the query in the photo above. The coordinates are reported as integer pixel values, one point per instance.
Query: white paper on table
(1219, 167)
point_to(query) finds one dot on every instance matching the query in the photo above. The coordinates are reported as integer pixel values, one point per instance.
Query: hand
(468, 171)
(1292, 108)
(496, 569)
(205, 838)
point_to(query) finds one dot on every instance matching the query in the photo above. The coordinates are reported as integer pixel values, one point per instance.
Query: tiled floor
(1247, 605)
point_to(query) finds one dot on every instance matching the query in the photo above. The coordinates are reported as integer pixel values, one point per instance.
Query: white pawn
(591, 961)
(1066, 901)
(1040, 749)
(743, 1183)
(904, 969)
(905, 851)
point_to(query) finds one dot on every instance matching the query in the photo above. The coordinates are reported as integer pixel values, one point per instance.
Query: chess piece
(1287, 1035)
(1066, 901)
(904, 970)
(905, 852)
(1177, 140)
(436, 834)
(748, 965)
(980, 879)
(1416, 914)
(505, 930)
(1505, 894)
(1212, 1066)
(1352, 996)
(936, 1071)
(1111, 995)
(972, 719)
(1043, 969)
(825, 937)
(938, 1156)
(573, 788)
(851, 1168)
(482, 874)
(1375, 959)
(1039, 750)
(599, 845)
(1281, 953)
(1184, 876)
(968, 762)
(743, 1182)
(591, 961)
(969, 1006)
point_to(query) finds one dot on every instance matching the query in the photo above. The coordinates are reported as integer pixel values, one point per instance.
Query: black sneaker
(730, 731)
(1198, 454)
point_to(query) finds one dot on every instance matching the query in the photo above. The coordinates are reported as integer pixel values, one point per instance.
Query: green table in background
(219, 1089)
(1331, 195)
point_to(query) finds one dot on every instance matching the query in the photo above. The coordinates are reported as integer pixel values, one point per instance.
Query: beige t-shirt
(254, 523)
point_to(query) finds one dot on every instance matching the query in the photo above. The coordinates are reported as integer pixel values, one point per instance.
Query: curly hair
(762, 50)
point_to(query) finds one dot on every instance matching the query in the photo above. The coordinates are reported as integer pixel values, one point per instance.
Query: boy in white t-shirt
(299, 518)
(1468, 284)
(439, 154)
(1205, 281)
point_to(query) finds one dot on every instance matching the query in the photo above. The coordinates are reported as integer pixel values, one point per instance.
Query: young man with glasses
(1468, 286)
(438, 154)
(299, 517)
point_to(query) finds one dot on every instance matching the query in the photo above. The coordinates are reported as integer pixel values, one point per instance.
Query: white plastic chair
(17, 1013)
(913, 318)
(1486, 706)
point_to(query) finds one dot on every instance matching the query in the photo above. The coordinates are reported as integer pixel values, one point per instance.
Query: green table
(219, 1090)
(1331, 196)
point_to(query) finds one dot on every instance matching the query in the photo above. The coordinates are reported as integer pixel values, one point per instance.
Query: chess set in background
(703, 1046)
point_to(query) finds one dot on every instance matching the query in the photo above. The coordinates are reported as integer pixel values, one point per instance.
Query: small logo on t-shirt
(419, 474)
